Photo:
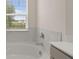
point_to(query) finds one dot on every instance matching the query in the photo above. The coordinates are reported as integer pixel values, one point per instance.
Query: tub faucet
(42, 35)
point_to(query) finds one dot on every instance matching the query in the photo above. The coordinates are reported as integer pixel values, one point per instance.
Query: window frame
(26, 23)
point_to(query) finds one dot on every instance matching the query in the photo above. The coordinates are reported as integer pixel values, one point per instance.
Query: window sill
(16, 29)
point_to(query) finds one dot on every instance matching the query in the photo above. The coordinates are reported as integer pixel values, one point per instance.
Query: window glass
(16, 14)
(16, 22)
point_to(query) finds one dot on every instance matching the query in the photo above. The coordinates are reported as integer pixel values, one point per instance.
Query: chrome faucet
(42, 35)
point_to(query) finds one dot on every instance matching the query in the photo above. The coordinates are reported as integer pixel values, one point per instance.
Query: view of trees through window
(16, 14)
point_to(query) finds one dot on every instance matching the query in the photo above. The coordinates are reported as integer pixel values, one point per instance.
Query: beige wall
(51, 15)
(56, 15)
(32, 13)
(69, 21)
(69, 17)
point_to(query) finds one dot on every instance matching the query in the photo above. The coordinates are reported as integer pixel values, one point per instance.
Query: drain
(40, 53)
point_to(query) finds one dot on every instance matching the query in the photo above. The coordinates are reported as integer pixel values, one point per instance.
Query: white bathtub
(23, 51)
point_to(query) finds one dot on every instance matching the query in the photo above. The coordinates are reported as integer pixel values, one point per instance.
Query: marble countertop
(66, 47)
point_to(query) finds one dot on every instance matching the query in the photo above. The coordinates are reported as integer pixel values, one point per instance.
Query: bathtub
(23, 51)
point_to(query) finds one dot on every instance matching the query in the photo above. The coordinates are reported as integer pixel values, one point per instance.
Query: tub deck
(22, 51)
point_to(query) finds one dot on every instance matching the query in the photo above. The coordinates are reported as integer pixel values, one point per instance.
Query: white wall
(51, 15)
(25, 36)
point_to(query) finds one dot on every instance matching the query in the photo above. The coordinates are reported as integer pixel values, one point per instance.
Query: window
(17, 14)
